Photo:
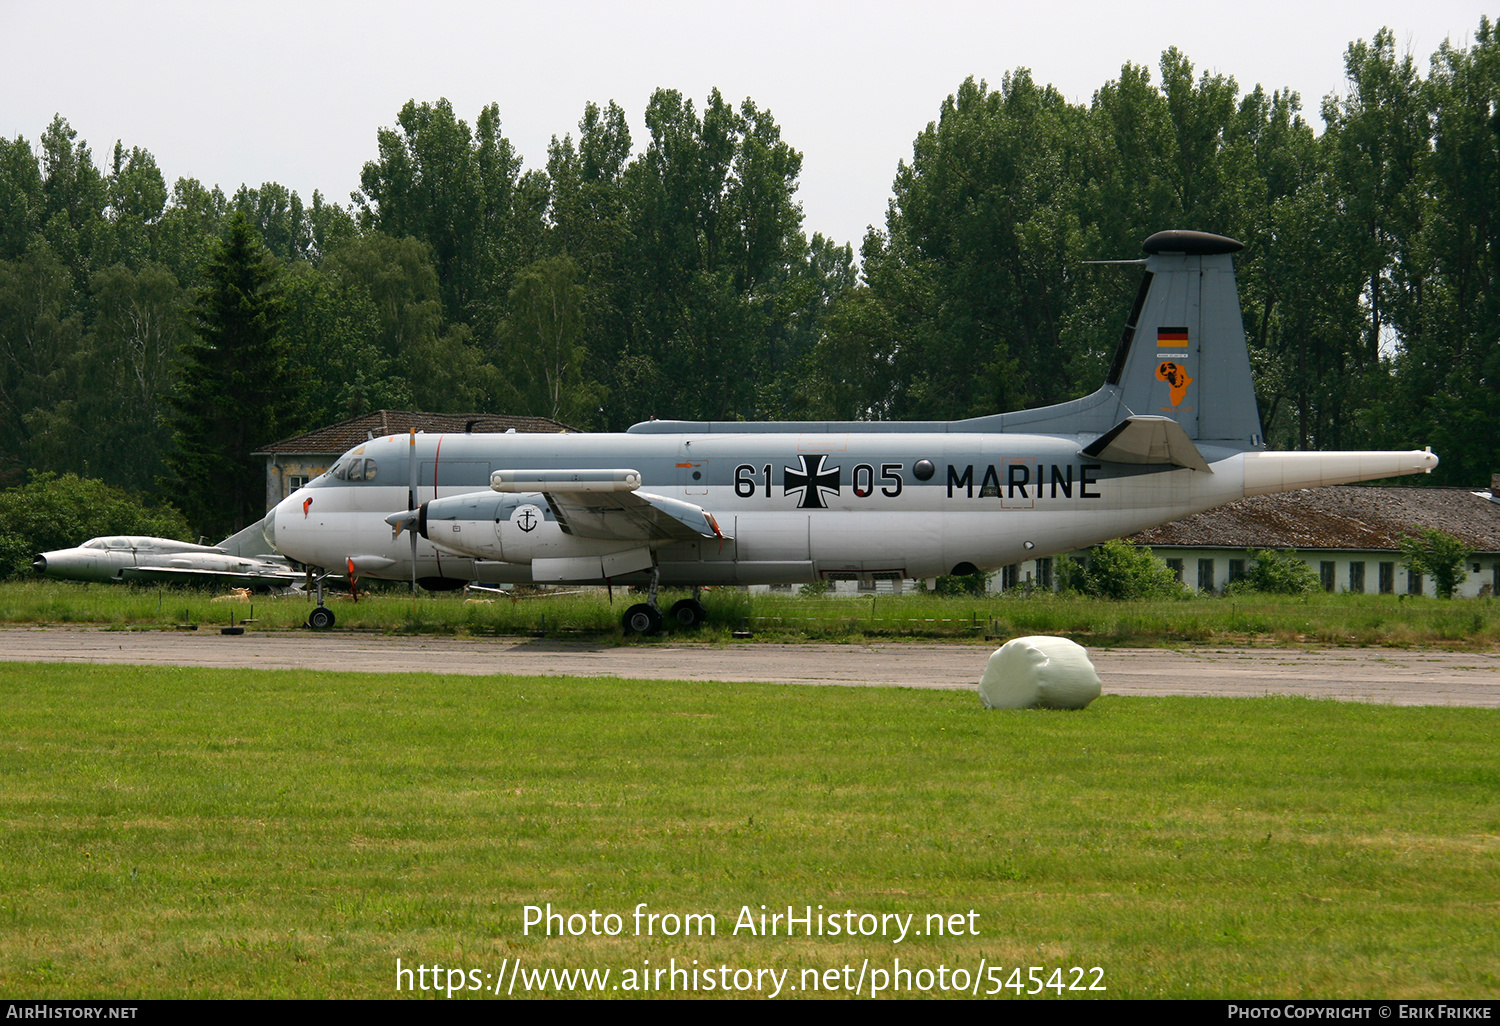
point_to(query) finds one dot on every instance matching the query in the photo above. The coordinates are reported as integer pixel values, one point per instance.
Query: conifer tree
(232, 388)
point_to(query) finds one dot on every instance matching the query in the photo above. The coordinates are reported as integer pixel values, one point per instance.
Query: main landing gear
(645, 618)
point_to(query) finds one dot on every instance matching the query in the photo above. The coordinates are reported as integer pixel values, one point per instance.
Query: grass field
(1318, 619)
(192, 833)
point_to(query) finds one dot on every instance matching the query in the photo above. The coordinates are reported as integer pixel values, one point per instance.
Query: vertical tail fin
(1183, 353)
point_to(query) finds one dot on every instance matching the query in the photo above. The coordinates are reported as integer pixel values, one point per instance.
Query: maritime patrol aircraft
(1173, 431)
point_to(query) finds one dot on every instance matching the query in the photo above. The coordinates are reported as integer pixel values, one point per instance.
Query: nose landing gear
(321, 618)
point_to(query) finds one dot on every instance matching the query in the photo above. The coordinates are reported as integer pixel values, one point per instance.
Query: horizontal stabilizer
(1149, 441)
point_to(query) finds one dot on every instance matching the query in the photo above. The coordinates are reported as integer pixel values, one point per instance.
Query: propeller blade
(411, 475)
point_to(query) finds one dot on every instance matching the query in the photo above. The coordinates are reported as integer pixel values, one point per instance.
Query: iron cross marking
(812, 481)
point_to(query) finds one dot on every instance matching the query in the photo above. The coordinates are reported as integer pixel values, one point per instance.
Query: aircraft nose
(39, 564)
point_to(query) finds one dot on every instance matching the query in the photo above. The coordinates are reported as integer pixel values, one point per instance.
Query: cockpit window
(354, 469)
(97, 543)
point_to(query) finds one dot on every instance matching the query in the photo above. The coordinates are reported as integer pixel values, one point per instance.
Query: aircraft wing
(1149, 441)
(186, 575)
(631, 516)
(608, 504)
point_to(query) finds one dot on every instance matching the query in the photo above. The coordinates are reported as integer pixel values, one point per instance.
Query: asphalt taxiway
(1389, 676)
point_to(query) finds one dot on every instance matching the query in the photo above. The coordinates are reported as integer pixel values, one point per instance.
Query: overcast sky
(293, 92)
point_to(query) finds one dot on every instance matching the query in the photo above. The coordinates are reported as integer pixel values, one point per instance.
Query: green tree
(713, 232)
(1438, 555)
(112, 423)
(233, 387)
(137, 199)
(1447, 374)
(74, 195)
(462, 193)
(41, 345)
(391, 287)
(20, 197)
(190, 228)
(1119, 570)
(1274, 572)
(544, 341)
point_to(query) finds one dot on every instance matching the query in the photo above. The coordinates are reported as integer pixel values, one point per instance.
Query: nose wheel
(321, 618)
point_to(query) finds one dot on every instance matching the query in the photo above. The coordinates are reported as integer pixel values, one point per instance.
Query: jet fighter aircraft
(1173, 431)
(118, 558)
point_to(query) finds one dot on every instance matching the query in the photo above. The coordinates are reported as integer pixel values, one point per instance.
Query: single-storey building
(1350, 534)
(293, 462)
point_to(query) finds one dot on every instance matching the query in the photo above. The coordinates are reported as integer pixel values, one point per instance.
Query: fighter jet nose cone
(39, 564)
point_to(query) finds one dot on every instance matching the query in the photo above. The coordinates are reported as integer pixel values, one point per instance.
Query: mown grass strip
(1318, 620)
(175, 832)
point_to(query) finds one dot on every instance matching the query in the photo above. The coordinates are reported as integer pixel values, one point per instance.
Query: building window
(866, 584)
(1495, 578)
(1009, 575)
(1387, 578)
(1044, 572)
(1236, 570)
(1205, 575)
(1325, 573)
(1357, 578)
(781, 587)
(1413, 583)
(1175, 565)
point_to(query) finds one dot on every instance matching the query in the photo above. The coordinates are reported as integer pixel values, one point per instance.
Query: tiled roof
(1336, 517)
(340, 437)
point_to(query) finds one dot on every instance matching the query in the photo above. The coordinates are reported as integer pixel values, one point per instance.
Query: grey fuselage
(792, 506)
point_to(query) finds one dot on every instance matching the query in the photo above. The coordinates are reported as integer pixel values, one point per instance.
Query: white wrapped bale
(1039, 672)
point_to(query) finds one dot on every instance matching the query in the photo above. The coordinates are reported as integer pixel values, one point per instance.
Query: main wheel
(641, 619)
(320, 619)
(688, 613)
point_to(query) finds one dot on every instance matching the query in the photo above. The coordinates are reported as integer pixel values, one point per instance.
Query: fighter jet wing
(186, 575)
